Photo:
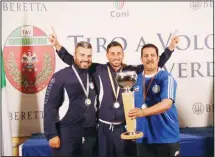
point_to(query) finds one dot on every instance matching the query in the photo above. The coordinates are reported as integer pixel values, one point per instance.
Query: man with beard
(111, 113)
(155, 110)
(70, 103)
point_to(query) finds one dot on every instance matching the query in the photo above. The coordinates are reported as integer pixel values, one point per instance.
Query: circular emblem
(198, 108)
(156, 88)
(195, 5)
(29, 59)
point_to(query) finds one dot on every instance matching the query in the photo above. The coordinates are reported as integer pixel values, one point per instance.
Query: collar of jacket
(79, 70)
(112, 69)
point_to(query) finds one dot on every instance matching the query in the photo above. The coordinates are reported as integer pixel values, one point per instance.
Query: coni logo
(119, 4)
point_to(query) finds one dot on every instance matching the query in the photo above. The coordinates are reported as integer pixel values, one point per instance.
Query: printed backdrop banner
(30, 60)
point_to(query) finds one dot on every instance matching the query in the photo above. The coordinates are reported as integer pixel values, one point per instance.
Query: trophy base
(131, 135)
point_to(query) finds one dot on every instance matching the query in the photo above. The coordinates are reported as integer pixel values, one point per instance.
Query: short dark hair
(149, 46)
(83, 44)
(113, 44)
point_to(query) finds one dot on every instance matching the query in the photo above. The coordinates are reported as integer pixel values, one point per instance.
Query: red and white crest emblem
(29, 59)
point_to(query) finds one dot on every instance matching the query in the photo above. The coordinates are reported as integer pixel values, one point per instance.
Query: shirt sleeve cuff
(50, 136)
(170, 50)
(62, 50)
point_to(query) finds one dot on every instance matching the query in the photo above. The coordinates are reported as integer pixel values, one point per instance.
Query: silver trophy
(127, 80)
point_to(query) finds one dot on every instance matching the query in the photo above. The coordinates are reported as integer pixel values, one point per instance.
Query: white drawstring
(110, 123)
(111, 127)
(83, 139)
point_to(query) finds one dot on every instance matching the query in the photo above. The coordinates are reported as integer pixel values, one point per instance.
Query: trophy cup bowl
(127, 80)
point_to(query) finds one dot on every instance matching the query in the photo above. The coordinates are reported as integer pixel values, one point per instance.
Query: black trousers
(70, 142)
(153, 150)
(90, 143)
(109, 141)
(130, 148)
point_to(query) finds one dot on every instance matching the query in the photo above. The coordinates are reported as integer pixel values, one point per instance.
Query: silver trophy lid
(126, 79)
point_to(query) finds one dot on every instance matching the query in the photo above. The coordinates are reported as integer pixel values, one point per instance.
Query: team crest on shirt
(136, 89)
(91, 85)
(156, 88)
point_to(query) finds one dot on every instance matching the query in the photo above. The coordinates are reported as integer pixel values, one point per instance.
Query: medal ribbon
(144, 86)
(86, 91)
(116, 94)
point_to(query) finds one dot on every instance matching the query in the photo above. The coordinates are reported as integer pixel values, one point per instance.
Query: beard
(83, 64)
(115, 63)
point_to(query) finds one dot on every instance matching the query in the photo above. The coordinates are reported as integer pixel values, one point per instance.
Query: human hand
(135, 112)
(54, 142)
(53, 40)
(174, 42)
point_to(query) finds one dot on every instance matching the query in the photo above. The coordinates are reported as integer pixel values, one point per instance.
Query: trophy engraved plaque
(127, 80)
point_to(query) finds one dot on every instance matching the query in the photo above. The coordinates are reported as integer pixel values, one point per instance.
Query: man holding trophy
(155, 111)
(111, 111)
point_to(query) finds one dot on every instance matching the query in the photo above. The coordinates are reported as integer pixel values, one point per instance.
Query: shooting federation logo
(29, 59)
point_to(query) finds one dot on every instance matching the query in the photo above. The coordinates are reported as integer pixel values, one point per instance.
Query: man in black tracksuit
(70, 105)
(111, 118)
